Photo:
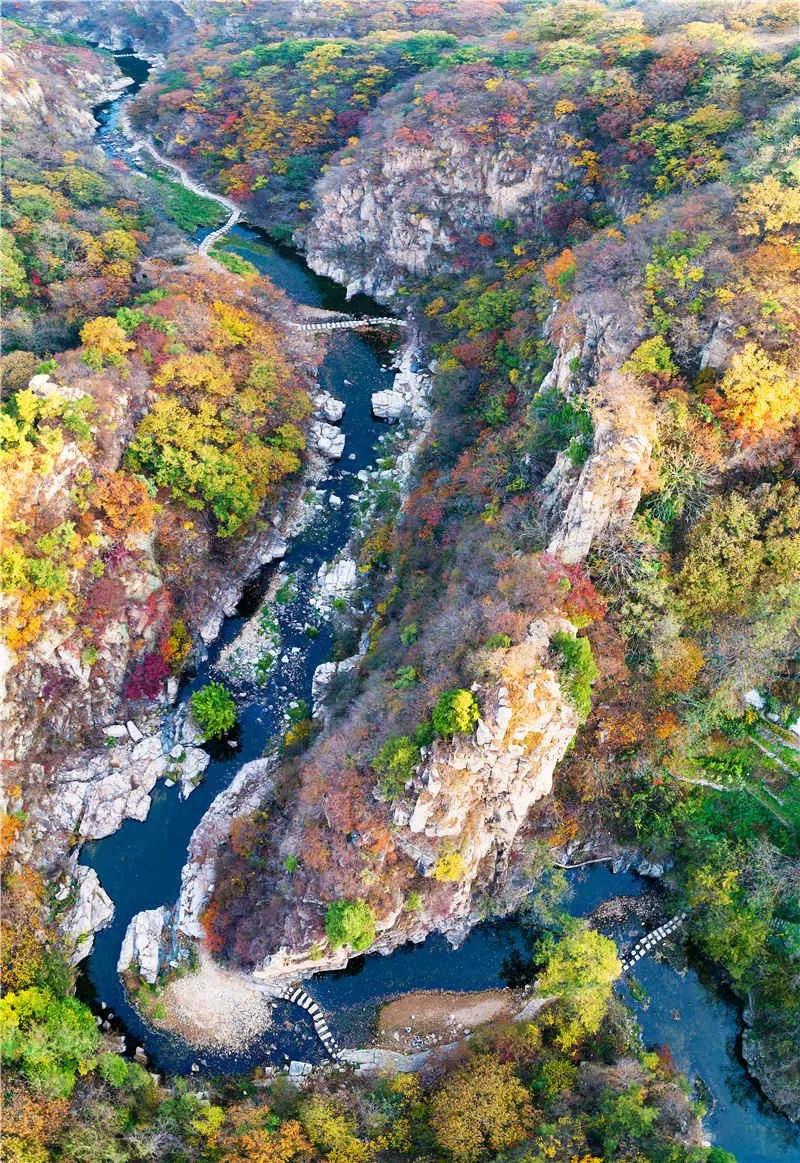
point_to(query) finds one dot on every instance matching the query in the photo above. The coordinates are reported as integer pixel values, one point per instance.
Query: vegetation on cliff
(604, 524)
(669, 252)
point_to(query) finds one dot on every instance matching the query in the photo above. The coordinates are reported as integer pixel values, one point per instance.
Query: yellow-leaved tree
(579, 973)
(759, 395)
(105, 341)
(768, 206)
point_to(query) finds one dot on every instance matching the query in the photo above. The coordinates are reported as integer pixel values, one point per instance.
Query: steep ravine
(109, 860)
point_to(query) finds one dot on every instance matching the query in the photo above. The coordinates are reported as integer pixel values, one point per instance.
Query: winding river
(140, 865)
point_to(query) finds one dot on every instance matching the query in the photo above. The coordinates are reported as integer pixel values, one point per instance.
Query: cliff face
(138, 24)
(45, 89)
(475, 792)
(466, 803)
(405, 201)
(595, 332)
(53, 689)
(88, 667)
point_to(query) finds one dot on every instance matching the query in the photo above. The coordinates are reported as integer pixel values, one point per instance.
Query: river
(140, 865)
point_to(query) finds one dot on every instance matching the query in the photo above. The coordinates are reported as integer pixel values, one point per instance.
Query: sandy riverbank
(215, 1007)
(429, 1018)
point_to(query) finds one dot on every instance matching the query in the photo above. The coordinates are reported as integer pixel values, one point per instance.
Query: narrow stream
(140, 865)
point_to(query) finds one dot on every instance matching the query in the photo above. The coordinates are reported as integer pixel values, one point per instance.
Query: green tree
(579, 971)
(394, 765)
(627, 1120)
(578, 670)
(50, 1040)
(13, 278)
(350, 923)
(214, 710)
(653, 357)
(456, 713)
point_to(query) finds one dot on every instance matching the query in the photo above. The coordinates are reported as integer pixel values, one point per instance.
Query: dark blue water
(140, 865)
(688, 1012)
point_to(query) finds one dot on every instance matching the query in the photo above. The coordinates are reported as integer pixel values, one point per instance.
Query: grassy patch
(186, 209)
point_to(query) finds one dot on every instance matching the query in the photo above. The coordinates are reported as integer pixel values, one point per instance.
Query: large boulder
(90, 910)
(142, 947)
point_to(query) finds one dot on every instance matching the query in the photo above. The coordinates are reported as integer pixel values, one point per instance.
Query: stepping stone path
(650, 942)
(298, 996)
(349, 324)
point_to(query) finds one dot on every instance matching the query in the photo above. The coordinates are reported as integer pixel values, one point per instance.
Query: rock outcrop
(89, 910)
(249, 788)
(92, 794)
(398, 208)
(142, 946)
(140, 25)
(68, 94)
(595, 333)
(475, 792)
(765, 1040)
(468, 799)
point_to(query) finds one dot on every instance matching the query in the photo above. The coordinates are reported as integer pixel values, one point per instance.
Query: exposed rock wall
(400, 208)
(139, 25)
(470, 796)
(595, 333)
(64, 102)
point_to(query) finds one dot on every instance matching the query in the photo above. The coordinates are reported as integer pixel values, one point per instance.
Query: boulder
(323, 677)
(329, 407)
(327, 440)
(97, 792)
(336, 579)
(91, 911)
(141, 947)
(388, 404)
(194, 763)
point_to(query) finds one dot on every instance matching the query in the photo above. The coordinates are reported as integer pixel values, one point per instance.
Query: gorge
(352, 372)
(495, 602)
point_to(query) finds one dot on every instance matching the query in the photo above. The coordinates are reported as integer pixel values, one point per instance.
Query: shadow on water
(140, 865)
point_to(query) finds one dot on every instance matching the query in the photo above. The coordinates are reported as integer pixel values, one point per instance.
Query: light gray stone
(388, 404)
(141, 947)
(91, 911)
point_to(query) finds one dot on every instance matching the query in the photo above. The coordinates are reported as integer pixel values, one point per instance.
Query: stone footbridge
(349, 324)
(298, 996)
(651, 941)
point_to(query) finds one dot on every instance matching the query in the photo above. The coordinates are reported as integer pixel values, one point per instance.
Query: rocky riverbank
(148, 947)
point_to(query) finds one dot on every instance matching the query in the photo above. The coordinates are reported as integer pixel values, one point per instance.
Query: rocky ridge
(469, 796)
(70, 92)
(397, 209)
(138, 25)
(594, 337)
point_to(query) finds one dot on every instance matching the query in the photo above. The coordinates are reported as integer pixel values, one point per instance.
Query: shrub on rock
(455, 713)
(350, 923)
(214, 710)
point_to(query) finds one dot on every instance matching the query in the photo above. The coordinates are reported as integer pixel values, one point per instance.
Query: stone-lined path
(650, 942)
(234, 213)
(298, 996)
(139, 144)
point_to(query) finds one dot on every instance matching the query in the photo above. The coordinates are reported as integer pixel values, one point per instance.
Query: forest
(573, 630)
